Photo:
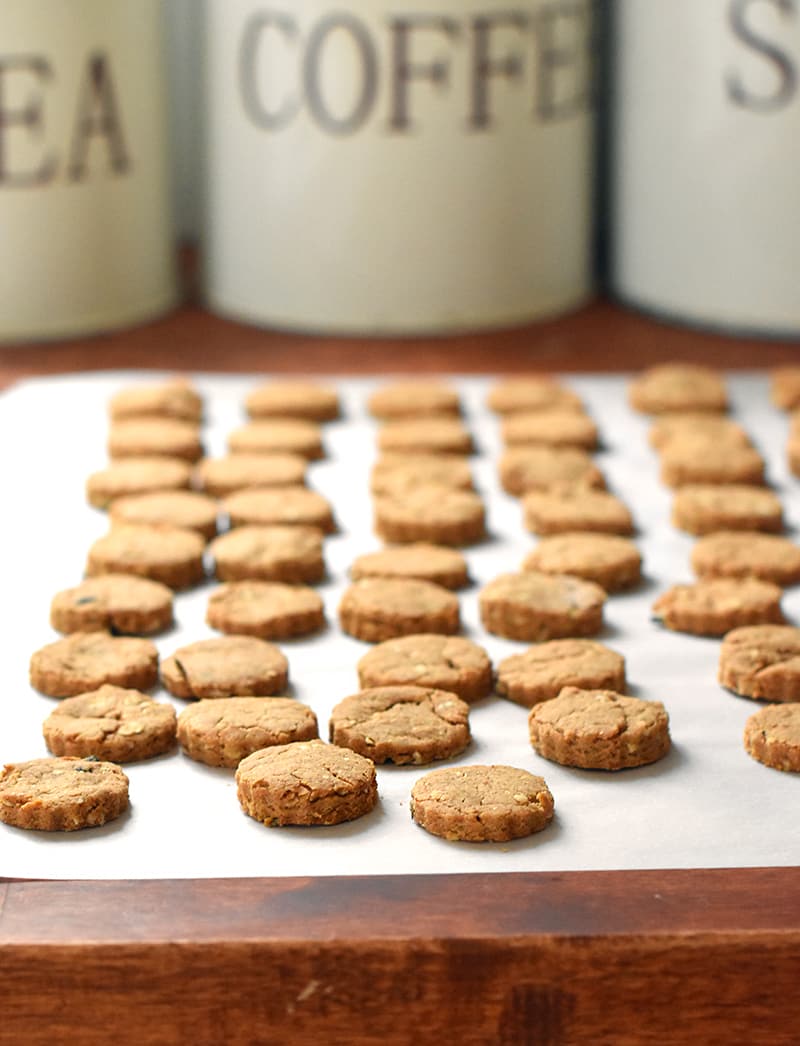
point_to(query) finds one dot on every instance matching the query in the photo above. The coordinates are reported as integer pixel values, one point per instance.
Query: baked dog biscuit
(785, 387)
(425, 435)
(409, 399)
(268, 609)
(62, 795)
(442, 566)
(599, 730)
(678, 387)
(702, 509)
(716, 605)
(443, 662)
(118, 603)
(747, 554)
(293, 399)
(542, 671)
(558, 427)
(136, 476)
(222, 733)
(575, 508)
(523, 469)
(762, 661)
(697, 425)
(525, 394)
(687, 459)
(431, 512)
(166, 437)
(171, 555)
(393, 472)
(186, 509)
(278, 436)
(240, 666)
(280, 506)
(279, 553)
(772, 736)
(84, 661)
(219, 477)
(375, 609)
(175, 398)
(534, 606)
(610, 561)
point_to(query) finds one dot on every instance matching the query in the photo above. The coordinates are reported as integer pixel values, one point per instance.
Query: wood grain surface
(617, 958)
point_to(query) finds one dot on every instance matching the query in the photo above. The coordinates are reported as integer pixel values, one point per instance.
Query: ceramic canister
(706, 161)
(86, 239)
(398, 166)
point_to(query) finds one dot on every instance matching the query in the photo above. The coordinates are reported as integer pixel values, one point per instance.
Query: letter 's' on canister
(86, 239)
(377, 167)
(706, 161)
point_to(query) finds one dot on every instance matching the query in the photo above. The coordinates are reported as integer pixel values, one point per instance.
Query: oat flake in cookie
(222, 733)
(233, 665)
(306, 783)
(534, 606)
(715, 606)
(443, 662)
(542, 671)
(118, 603)
(375, 609)
(62, 795)
(772, 736)
(762, 661)
(479, 804)
(85, 661)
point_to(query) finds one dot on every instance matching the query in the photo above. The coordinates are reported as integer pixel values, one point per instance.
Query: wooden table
(707, 956)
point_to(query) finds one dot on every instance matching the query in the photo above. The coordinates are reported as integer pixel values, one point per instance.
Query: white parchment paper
(707, 804)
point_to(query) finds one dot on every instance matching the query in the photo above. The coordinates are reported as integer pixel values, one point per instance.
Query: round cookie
(542, 671)
(525, 394)
(442, 566)
(232, 665)
(480, 804)
(747, 554)
(162, 437)
(710, 428)
(426, 436)
(220, 477)
(293, 399)
(171, 399)
(267, 609)
(110, 723)
(523, 469)
(85, 661)
(772, 736)
(431, 512)
(408, 399)
(175, 508)
(687, 459)
(611, 561)
(136, 476)
(114, 603)
(599, 730)
(170, 555)
(306, 783)
(403, 471)
(280, 506)
(402, 724)
(449, 663)
(575, 508)
(62, 795)
(222, 733)
(278, 435)
(785, 387)
(793, 445)
(762, 662)
(534, 606)
(375, 609)
(716, 605)
(678, 387)
(289, 553)
(702, 509)
(554, 428)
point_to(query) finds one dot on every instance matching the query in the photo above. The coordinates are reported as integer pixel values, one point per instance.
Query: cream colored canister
(86, 238)
(706, 161)
(398, 167)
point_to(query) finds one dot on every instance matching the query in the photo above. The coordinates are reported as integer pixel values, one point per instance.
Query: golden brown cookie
(118, 603)
(431, 512)
(219, 477)
(268, 609)
(762, 661)
(785, 387)
(375, 609)
(291, 554)
(409, 399)
(793, 445)
(278, 436)
(697, 425)
(111, 723)
(558, 427)
(425, 436)
(542, 671)
(280, 506)
(686, 459)
(732, 553)
(575, 508)
(402, 724)
(479, 804)
(772, 736)
(160, 437)
(306, 783)
(170, 555)
(611, 561)
(86, 660)
(523, 469)
(442, 566)
(678, 387)
(403, 471)
(428, 660)
(599, 730)
(293, 399)
(175, 508)
(521, 395)
(222, 733)
(240, 666)
(534, 606)
(175, 398)
(136, 476)
(62, 795)
(704, 508)
(716, 605)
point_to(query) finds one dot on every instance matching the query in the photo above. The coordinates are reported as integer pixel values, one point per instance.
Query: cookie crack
(184, 675)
